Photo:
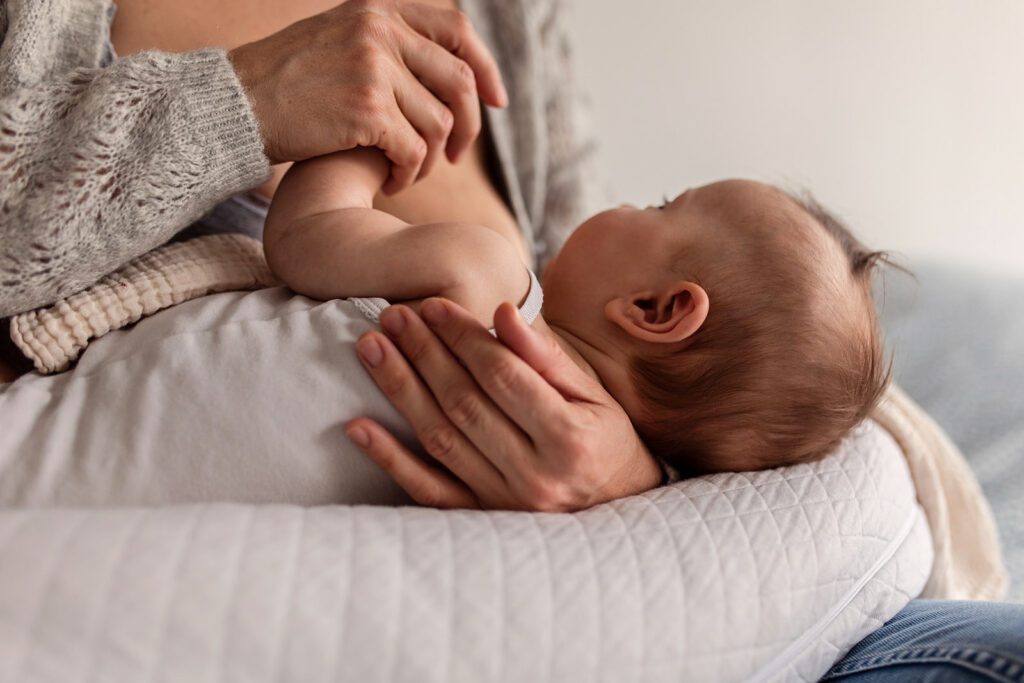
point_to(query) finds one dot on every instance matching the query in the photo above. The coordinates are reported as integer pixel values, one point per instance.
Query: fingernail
(434, 312)
(359, 436)
(502, 94)
(370, 351)
(392, 321)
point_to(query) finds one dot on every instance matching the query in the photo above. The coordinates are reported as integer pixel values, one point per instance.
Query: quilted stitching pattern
(710, 579)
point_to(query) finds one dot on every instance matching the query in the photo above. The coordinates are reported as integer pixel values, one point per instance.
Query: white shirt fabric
(200, 403)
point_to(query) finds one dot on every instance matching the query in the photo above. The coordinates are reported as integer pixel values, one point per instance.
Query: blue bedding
(956, 337)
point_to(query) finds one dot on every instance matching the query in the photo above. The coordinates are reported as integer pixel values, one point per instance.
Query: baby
(734, 323)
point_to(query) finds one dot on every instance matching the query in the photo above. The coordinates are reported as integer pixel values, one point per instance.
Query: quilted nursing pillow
(757, 576)
(731, 577)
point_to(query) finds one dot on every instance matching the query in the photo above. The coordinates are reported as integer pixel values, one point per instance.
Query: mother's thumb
(541, 353)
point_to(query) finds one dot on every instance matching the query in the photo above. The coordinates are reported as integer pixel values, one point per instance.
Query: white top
(238, 396)
(372, 307)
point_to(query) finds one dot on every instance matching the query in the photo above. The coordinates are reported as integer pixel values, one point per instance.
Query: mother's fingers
(452, 81)
(428, 115)
(453, 31)
(459, 395)
(526, 397)
(425, 484)
(544, 355)
(439, 437)
(405, 148)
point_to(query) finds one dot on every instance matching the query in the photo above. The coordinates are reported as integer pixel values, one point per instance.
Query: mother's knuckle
(428, 495)
(443, 124)
(461, 24)
(439, 442)
(366, 57)
(463, 77)
(416, 351)
(503, 377)
(465, 409)
(459, 340)
(574, 443)
(367, 101)
(370, 24)
(385, 459)
(419, 150)
(546, 496)
(394, 384)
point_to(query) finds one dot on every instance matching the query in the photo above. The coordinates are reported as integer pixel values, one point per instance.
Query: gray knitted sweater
(102, 163)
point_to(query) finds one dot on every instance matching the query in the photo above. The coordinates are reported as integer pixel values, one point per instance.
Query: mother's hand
(401, 76)
(518, 424)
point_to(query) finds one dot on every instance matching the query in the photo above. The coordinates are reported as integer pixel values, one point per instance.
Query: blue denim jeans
(936, 641)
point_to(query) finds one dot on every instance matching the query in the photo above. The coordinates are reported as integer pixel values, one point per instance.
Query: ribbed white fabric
(372, 307)
(53, 337)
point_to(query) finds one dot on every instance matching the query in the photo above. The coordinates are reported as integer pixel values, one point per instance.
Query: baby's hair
(780, 371)
(863, 262)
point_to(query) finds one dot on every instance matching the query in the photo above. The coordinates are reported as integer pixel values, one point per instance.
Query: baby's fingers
(427, 485)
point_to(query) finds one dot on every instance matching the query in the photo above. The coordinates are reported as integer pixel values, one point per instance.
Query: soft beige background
(906, 117)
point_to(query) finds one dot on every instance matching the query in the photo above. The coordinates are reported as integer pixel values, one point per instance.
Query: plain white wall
(905, 117)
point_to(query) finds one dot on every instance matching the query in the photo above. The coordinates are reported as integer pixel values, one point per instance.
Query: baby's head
(741, 320)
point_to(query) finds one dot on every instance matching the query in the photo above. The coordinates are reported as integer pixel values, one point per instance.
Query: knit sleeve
(575, 184)
(100, 165)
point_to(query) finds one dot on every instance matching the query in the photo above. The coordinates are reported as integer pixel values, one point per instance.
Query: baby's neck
(596, 363)
(568, 343)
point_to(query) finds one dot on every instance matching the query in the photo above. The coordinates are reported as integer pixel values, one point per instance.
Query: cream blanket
(968, 560)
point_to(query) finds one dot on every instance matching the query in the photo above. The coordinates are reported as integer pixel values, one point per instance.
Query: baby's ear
(663, 316)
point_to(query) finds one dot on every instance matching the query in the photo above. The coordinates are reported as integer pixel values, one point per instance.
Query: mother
(101, 164)
(157, 138)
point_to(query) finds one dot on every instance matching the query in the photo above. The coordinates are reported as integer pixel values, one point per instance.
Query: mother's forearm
(98, 166)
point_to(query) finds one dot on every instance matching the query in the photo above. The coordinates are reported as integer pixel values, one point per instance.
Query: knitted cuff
(222, 119)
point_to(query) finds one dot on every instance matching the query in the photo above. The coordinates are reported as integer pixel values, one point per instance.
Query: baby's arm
(324, 239)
